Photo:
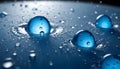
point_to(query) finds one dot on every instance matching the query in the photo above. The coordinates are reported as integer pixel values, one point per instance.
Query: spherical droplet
(110, 62)
(39, 27)
(104, 21)
(84, 39)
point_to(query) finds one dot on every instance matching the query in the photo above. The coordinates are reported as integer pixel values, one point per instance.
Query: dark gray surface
(49, 50)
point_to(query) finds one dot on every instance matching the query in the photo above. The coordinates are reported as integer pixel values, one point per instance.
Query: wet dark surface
(56, 52)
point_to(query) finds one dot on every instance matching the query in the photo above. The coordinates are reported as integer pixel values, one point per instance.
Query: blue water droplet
(84, 39)
(104, 21)
(3, 14)
(39, 27)
(110, 62)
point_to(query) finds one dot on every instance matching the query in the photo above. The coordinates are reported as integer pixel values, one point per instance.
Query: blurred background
(109, 2)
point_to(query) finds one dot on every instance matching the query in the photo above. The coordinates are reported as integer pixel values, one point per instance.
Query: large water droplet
(3, 14)
(8, 63)
(38, 27)
(110, 62)
(84, 39)
(104, 21)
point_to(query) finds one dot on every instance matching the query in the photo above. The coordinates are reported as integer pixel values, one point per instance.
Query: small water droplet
(14, 54)
(72, 10)
(84, 16)
(3, 14)
(32, 55)
(60, 47)
(96, 12)
(51, 63)
(62, 21)
(17, 44)
(84, 39)
(110, 62)
(21, 5)
(79, 50)
(13, 4)
(55, 17)
(38, 26)
(72, 27)
(34, 9)
(26, 6)
(104, 21)
(79, 17)
(99, 46)
(116, 26)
